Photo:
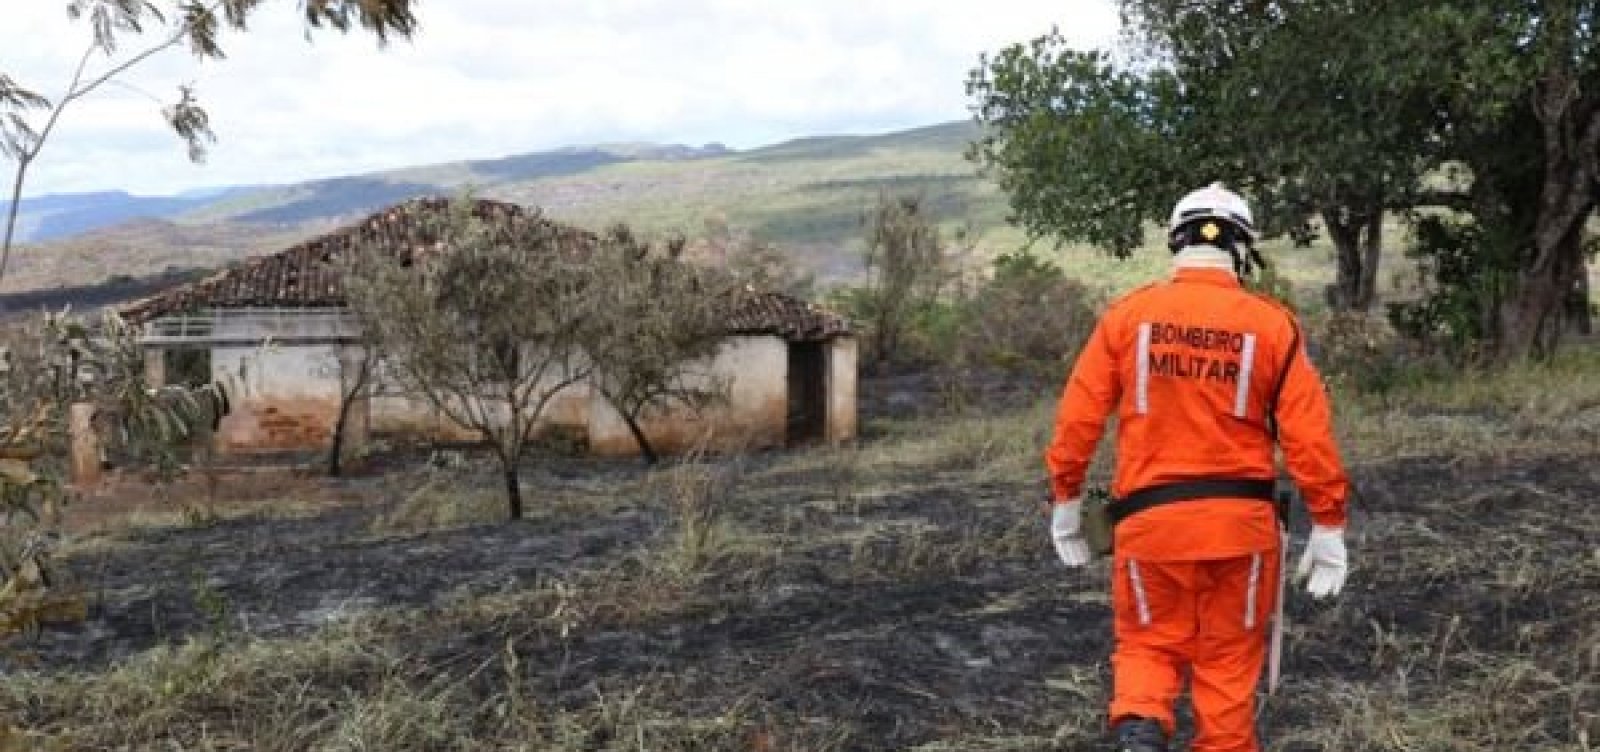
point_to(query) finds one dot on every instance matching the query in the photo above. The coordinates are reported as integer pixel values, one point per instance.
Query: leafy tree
(27, 118)
(1084, 151)
(485, 319)
(656, 321)
(1539, 62)
(47, 364)
(1299, 97)
(1092, 152)
(1332, 109)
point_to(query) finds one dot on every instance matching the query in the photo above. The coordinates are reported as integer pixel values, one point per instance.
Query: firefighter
(1204, 377)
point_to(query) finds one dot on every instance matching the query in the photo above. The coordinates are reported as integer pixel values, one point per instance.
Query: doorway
(187, 366)
(808, 393)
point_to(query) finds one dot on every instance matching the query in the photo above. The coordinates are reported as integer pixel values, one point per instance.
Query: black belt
(1190, 490)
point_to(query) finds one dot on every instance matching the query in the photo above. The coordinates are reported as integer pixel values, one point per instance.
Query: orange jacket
(1190, 366)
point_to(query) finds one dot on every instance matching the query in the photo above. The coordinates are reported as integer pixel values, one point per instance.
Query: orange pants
(1209, 618)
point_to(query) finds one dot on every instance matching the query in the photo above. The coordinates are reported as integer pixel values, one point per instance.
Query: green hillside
(808, 196)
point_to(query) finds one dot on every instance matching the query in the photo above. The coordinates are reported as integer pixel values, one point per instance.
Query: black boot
(1136, 734)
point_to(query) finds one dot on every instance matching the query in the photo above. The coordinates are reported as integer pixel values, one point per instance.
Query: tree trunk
(646, 451)
(513, 491)
(336, 452)
(1358, 244)
(1570, 127)
(11, 213)
(1525, 321)
(1582, 309)
(1371, 255)
(1531, 321)
(508, 447)
(348, 394)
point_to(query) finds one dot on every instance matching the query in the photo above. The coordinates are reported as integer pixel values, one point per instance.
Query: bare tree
(485, 323)
(355, 379)
(907, 263)
(750, 260)
(194, 24)
(657, 324)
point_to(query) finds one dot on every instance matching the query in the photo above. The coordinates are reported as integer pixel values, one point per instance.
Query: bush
(699, 490)
(1027, 317)
(927, 330)
(1465, 273)
(1359, 352)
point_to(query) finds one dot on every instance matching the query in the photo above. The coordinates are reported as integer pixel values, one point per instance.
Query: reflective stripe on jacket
(1190, 367)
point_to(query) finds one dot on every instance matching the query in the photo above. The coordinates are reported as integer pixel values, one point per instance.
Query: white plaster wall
(284, 397)
(274, 371)
(756, 370)
(315, 323)
(412, 416)
(841, 385)
(291, 392)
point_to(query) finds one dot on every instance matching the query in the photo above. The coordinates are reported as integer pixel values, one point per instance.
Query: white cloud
(484, 78)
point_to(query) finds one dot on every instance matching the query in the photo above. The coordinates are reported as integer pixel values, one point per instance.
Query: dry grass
(1552, 407)
(698, 492)
(441, 503)
(128, 502)
(900, 594)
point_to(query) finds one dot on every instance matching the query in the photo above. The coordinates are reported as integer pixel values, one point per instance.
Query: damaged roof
(786, 316)
(307, 275)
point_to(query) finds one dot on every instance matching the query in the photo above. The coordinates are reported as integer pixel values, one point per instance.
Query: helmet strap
(1245, 264)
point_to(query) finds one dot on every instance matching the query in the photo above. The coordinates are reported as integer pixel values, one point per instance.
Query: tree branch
(76, 90)
(1457, 200)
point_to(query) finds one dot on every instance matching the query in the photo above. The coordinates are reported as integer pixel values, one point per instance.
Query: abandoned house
(790, 366)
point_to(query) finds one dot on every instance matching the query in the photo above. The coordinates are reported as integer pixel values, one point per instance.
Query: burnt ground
(851, 600)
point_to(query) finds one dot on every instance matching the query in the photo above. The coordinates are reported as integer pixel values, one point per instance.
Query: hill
(139, 249)
(806, 196)
(61, 216)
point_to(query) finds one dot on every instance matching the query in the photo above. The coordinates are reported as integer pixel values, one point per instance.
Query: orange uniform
(1196, 369)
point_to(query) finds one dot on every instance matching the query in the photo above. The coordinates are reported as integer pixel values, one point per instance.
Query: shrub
(927, 330)
(698, 491)
(1028, 316)
(1358, 351)
(1464, 274)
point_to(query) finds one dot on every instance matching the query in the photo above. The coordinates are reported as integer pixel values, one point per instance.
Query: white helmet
(1216, 202)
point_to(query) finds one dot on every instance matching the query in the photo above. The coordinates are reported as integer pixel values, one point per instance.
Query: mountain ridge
(806, 195)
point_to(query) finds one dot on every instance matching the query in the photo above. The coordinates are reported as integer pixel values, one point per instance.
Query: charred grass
(899, 594)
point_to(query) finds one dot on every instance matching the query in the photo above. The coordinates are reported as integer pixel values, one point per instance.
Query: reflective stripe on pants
(1204, 618)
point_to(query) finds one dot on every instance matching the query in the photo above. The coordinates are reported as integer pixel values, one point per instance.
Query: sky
(489, 78)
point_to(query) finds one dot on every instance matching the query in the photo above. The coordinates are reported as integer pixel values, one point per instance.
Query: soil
(1455, 563)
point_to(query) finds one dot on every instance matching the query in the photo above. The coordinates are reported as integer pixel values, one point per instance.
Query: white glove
(1325, 561)
(1066, 523)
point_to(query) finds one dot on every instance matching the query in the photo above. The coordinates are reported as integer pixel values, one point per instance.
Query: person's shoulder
(1133, 296)
(1272, 306)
